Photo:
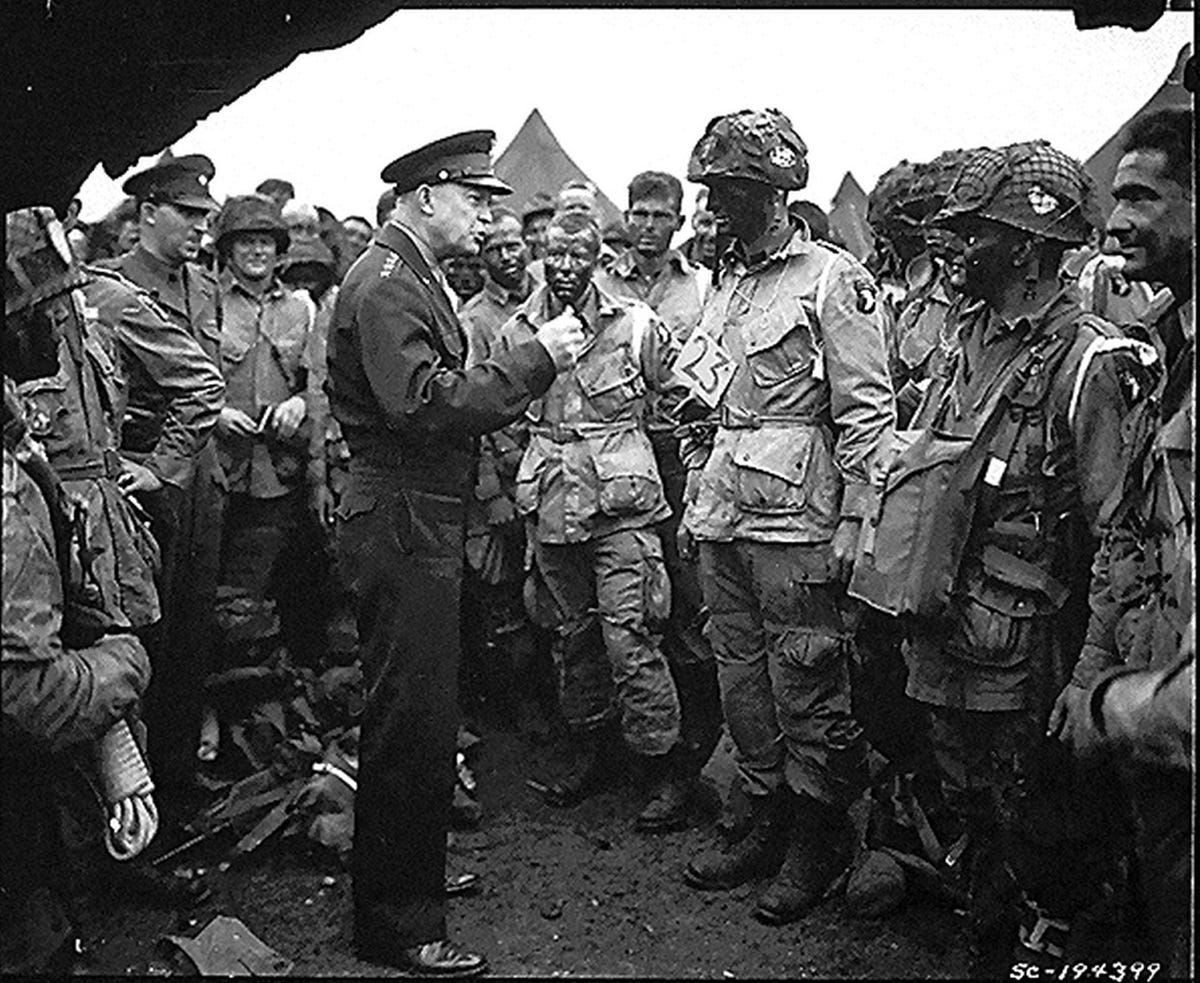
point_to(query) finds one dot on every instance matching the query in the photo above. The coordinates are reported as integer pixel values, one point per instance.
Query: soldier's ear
(425, 199)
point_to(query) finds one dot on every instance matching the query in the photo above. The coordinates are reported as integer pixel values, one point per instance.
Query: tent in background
(535, 161)
(848, 218)
(1102, 165)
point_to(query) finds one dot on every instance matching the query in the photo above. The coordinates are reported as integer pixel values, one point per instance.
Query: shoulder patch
(866, 296)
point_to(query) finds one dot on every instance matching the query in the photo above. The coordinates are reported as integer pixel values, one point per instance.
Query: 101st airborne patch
(865, 298)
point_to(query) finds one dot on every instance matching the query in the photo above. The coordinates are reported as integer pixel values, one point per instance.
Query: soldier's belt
(566, 433)
(749, 420)
(108, 466)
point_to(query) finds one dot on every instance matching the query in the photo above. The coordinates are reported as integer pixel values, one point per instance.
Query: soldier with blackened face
(789, 353)
(1023, 424)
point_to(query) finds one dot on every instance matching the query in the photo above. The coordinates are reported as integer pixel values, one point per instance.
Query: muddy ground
(565, 893)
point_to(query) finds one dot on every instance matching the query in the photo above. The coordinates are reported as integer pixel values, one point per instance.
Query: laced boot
(671, 789)
(818, 852)
(757, 854)
(606, 765)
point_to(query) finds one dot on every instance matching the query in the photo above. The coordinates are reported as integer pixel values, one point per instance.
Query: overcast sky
(630, 90)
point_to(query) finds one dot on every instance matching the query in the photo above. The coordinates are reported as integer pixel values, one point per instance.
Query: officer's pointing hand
(562, 337)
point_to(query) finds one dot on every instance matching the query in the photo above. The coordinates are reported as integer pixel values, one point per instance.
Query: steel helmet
(756, 145)
(38, 260)
(1029, 186)
(251, 213)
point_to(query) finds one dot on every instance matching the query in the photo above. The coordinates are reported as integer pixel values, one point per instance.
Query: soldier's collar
(504, 296)
(625, 265)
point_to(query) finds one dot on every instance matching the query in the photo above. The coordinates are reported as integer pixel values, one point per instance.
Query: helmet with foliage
(38, 260)
(755, 145)
(251, 213)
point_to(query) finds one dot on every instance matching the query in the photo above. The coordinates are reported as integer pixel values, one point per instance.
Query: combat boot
(818, 852)
(606, 766)
(671, 790)
(758, 854)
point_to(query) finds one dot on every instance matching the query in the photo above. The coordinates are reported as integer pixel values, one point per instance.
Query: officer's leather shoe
(441, 958)
(758, 854)
(457, 884)
(818, 852)
(669, 806)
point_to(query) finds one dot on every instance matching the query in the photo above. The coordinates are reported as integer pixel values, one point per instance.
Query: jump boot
(758, 854)
(607, 765)
(671, 792)
(818, 851)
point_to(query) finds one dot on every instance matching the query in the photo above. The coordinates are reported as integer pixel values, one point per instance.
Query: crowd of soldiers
(917, 532)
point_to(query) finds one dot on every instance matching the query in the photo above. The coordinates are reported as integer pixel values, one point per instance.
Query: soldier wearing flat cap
(411, 413)
(173, 208)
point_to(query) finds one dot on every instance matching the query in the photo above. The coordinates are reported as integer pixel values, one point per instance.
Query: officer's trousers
(400, 552)
(618, 578)
(187, 523)
(782, 645)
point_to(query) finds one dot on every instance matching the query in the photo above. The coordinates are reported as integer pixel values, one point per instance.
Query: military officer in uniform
(790, 351)
(173, 204)
(411, 412)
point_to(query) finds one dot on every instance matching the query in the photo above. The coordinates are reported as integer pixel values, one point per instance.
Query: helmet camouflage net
(38, 260)
(908, 194)
(1028, 186)
(252, 213)
(757, 145)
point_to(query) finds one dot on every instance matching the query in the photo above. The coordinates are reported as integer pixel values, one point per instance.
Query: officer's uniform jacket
(1002, 645)
(589, 469)
(189, 295)
(809, 402)
(398, 384)
(500, 452)
(176, 389)
(1143, 584)
(72, 415)
(264, 359)
(676, 295)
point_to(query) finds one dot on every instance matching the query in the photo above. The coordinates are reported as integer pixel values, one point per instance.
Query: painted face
(460, 219)
(652, 221)
(740, 208)
(1153, 221)
(505, 253)
(252, 255)
(175, 232)
(570, 262)
(987, 256)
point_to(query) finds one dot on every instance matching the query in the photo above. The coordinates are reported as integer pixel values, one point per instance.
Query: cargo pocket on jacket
(527, 492)
(611, 385)
(628, 480)
(992, 623)
(770, 467)
(779, 347)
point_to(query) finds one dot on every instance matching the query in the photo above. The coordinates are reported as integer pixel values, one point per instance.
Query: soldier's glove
(127, 788)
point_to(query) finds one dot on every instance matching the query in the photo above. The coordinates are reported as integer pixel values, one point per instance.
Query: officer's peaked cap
(177, 180)
(757, 145)
(464, 158)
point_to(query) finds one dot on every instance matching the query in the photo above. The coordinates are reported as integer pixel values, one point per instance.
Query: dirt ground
(565, 893)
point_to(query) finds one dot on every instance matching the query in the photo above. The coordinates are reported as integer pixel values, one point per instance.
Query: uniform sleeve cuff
(858, 500)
